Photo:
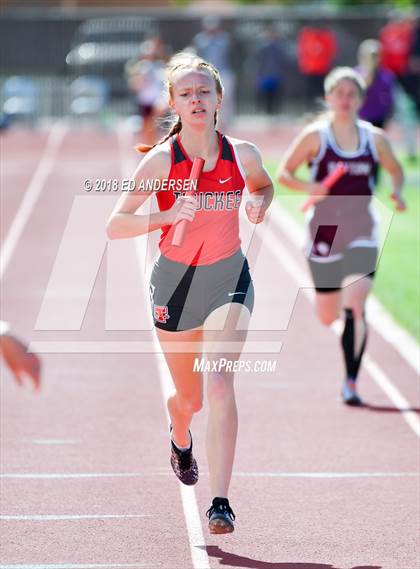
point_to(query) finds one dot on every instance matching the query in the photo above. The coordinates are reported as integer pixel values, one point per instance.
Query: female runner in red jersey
(201, 292)
(343, 247)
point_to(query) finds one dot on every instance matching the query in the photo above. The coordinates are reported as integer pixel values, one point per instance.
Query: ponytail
(175, 128)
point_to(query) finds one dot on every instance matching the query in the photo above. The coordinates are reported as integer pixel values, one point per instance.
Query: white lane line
(384, 383)
(70, 476)
(400, 339)
(283, 256)
(168, 472)
(192, 517)
(78, 566)
(378, 317)
(328, 474)
(199, 557)
(32, 193)
(54, 518)
(54, 441)
(392, 392)
(198, 550)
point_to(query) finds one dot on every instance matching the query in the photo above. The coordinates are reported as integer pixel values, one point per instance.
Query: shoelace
(222, 508)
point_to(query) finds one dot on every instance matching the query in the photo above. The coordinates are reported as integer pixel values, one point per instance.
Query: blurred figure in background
(342, 247)
(146, 78)
(213, 45)
(397, 42)
(378, 103)
(17, 358)
(414, 64)
(400, 53)
(316, 48)
(21, 101)
(269, 68)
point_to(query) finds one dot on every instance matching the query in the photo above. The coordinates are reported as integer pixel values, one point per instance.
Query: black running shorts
(183, 296)
(328, 275)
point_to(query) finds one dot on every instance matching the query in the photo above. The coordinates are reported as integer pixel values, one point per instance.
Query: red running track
(85, 477)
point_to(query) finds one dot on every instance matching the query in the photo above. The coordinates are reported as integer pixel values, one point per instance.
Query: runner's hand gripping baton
(328, 183)
(181, 226)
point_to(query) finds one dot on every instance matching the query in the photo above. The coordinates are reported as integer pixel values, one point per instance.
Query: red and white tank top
(213, 235)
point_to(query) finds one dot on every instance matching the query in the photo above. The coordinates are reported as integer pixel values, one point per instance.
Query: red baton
(181, 226)
(328, 182)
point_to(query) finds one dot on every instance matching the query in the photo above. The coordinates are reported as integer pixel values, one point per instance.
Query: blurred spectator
(270, 63)
(5, 122)
(21, 100)
(17, 358)
(89, 96)
(400, 53)
(413, 75)
(396, 39)
(317, 48)
(146, 80)
(213, 44)
(378, 103)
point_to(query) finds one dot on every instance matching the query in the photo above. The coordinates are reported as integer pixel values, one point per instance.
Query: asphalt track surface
(85, 475)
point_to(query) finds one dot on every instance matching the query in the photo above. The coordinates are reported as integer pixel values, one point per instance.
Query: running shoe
(349, 394)
(184, 464)
(221, 516)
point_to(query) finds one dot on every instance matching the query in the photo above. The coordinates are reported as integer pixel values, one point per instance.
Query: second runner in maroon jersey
(350, 198)
(342, 247)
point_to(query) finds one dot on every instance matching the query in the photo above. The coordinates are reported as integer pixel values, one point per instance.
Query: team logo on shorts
(323, 248)
(161, 314)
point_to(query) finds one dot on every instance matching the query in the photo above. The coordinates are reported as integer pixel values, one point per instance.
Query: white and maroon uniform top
(213, 234)
(344, 219)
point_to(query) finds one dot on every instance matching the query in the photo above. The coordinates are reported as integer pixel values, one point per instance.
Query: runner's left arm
(390, 163)
(257, 181)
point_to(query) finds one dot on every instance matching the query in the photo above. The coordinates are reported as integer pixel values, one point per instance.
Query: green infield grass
(397, 281)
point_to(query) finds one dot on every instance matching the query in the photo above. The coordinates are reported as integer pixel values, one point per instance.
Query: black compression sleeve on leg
(348, 341)
(358, 357)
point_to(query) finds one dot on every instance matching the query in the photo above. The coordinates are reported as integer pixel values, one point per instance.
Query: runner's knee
(189, 404)
(327, 318)
(220, 388)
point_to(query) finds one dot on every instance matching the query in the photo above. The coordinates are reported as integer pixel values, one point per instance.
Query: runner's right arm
(303, 149)
(124, 222)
